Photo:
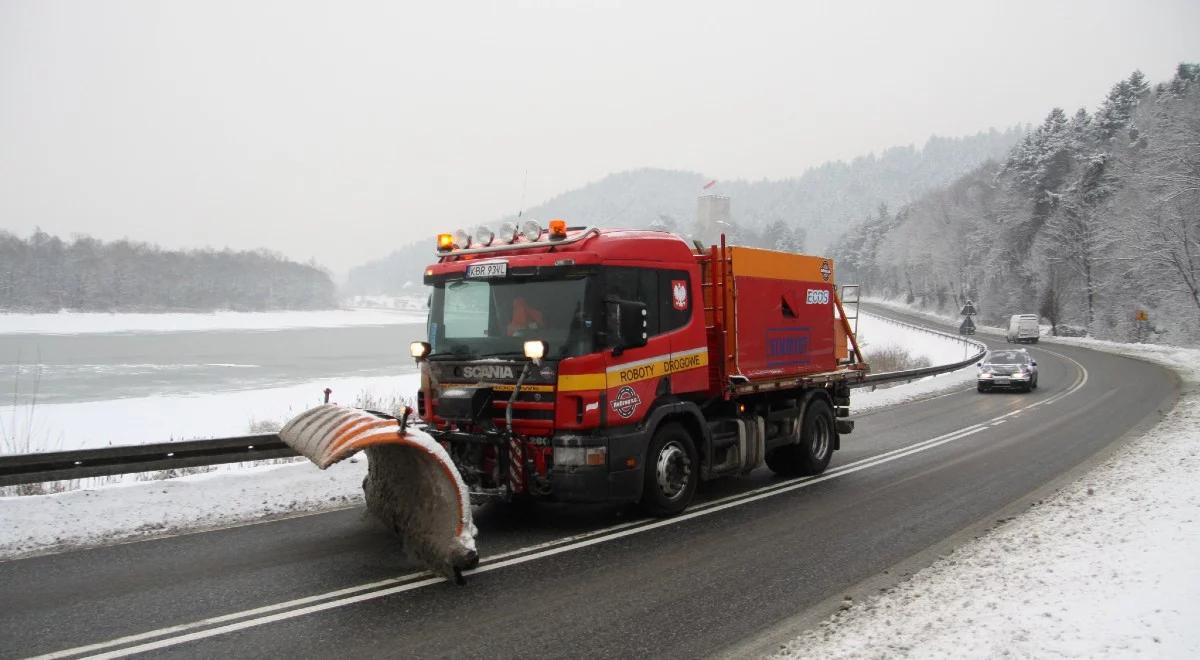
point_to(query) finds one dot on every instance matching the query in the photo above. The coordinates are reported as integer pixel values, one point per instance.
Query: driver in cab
(525, 318)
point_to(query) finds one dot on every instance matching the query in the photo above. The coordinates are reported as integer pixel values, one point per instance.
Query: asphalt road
(757, 555)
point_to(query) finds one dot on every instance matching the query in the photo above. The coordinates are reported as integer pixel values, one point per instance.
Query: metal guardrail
(921, 372)
(107, 461)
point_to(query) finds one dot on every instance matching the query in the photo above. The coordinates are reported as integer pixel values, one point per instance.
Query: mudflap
(412, 485)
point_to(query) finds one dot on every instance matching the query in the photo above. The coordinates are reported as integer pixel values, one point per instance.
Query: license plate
(495, 269)
(1001, 381)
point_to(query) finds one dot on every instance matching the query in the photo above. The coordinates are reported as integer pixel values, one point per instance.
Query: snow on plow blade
(411, 485)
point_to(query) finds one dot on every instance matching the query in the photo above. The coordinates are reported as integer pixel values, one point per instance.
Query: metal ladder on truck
(850, 297)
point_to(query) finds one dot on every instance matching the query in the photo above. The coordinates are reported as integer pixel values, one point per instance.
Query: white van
(1023, 328)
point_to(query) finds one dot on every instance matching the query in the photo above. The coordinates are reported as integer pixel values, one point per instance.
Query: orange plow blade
(412, 485)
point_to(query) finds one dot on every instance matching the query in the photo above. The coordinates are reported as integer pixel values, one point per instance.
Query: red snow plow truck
(581, 364)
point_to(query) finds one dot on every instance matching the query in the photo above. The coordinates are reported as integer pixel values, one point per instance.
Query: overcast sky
(337, 130)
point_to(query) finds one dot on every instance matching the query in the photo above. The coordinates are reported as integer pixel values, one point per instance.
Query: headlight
(535, 349)
(985, 374)
(580, 455)
(419, 349)
(462, 239)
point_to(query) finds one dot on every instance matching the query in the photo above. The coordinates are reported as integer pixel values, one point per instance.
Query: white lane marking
(233, 616)
(227, 617)
(530, 553)
(1080, 380)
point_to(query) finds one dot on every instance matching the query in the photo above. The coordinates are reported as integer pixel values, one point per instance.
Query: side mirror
(626, 324)
(1033, 362)
(979, 364)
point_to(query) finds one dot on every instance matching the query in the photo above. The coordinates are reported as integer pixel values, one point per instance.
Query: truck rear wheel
(811, 455)
(672, 472)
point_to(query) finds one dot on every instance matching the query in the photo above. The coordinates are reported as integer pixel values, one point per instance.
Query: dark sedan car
(1013, 368)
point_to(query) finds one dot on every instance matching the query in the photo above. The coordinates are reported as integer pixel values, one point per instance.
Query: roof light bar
(558, 239)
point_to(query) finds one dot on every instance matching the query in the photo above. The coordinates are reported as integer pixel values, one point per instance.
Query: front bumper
(1014, 380)
(620, 479)
(617, 481)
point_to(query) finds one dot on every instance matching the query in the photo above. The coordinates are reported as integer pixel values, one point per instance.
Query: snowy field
(237, 495)
(73, 323)
(1109, 566)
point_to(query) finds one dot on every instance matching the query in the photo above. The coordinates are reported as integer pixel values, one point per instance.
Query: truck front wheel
(672, 472)
(811, 455)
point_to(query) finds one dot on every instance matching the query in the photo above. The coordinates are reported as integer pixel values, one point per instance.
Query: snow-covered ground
(1109, 566)
(143, 509)
(139, 509)
(71, 323)
(878, 333)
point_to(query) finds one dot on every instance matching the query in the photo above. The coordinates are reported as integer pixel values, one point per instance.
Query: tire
(1033, 385)
(983, 388)
(672, 472)
(811, 455)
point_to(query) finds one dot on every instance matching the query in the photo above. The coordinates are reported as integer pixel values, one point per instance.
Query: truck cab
(575, 364)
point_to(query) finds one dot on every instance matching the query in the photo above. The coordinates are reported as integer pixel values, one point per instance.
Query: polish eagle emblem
(679, 294)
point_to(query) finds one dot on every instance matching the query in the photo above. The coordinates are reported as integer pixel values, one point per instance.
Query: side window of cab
(636, 284)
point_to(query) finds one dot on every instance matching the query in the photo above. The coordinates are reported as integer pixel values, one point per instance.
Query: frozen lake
(97, 367)
(76, 380)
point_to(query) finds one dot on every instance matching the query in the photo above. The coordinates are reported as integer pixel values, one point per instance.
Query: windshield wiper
(455, 351)
(503, 354)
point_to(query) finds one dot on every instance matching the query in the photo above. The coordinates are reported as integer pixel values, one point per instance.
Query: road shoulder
(1083, 571)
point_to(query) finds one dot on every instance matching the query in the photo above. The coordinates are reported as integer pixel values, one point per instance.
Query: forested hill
(46, 274)
(811, 209)
(820, 203)
(1091, 218)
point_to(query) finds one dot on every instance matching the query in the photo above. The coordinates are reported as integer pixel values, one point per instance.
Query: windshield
(1007, 357)
(476, 318)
